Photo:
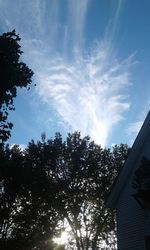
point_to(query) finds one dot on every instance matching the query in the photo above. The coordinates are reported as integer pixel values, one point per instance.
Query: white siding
(132, 222)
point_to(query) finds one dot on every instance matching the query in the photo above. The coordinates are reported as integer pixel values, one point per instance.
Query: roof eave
(127, 168)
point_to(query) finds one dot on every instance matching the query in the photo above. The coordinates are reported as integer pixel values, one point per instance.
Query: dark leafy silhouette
(54, 184)
(26, 201)
(13, 74)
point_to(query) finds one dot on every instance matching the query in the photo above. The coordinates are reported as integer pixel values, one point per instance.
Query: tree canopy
(13, 74)
(54, 185)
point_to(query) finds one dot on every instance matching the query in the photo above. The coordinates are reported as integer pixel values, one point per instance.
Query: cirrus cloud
(88, 94)
(87, 89)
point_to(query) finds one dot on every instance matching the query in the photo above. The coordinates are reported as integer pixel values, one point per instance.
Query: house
(133, 222)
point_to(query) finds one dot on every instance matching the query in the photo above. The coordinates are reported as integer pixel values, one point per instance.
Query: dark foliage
(53, 182)
(13, 74)
(26, 199)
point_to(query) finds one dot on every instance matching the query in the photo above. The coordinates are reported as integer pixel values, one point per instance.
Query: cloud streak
(87, 94)
(85, 88)
(134, 127)
(76, 19)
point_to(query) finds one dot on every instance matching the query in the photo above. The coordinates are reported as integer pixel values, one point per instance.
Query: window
(147, 242)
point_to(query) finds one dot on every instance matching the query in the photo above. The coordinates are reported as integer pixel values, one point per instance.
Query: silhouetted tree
(27, 214)
(85, 173)
(53, 183)
(13, 74)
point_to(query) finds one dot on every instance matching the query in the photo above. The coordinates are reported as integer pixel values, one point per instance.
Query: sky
(91, 62)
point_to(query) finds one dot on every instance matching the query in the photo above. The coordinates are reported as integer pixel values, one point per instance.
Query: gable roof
(128, 166)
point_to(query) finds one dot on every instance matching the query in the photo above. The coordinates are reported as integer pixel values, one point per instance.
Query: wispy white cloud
(87, 94)
(113, 24)
(134, 128)
(21, 146)
(77, 14)
(86, 90)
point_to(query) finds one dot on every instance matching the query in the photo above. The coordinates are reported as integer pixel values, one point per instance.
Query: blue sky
(91, 63)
